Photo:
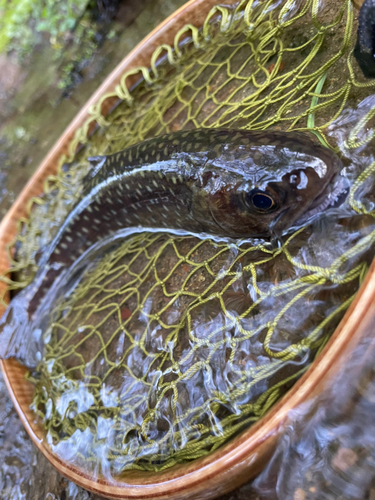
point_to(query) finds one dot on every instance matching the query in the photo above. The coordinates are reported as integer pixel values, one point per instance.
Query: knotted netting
(169, 345)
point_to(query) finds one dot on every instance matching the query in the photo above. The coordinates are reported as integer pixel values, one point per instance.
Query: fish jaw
(335, 195)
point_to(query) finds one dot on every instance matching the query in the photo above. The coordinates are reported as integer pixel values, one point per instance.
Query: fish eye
(260, 201)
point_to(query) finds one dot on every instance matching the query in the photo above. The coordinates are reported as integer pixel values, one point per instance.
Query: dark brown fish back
(154, 184)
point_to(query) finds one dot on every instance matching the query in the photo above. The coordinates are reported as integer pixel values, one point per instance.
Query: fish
(364, 50)
(212, 182)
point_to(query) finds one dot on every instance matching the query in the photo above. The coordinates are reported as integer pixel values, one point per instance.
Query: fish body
(226, 183)
(364, 50)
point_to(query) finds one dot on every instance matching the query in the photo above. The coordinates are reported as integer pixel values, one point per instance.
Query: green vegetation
(74, 28)
(21, 21)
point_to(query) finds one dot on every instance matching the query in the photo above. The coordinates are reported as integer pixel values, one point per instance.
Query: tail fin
(17, 337)
(29, 313)
(24, 323)
(21, 326)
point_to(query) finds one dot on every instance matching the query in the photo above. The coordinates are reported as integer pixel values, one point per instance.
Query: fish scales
(227, 183)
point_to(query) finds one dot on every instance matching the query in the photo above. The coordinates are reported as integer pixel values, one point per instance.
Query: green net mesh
(162, 315)
(155, 344)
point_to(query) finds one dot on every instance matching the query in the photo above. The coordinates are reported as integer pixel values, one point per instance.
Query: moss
(74, 29)
(23, 21)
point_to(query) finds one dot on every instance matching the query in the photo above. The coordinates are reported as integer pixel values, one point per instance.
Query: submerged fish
(219, 182)
(364, 50)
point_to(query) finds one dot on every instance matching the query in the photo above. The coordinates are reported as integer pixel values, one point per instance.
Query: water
(30, 101)
(324, 245)
(119, 341)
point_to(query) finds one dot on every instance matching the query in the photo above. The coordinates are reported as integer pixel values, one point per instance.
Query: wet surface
(344, 452)
(35, 111)
(327, 451)
(25, 474)
(122, 361)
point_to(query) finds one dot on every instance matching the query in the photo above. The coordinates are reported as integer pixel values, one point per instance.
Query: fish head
(264, 190)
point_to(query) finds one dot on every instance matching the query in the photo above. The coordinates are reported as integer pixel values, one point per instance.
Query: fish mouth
(334, 197)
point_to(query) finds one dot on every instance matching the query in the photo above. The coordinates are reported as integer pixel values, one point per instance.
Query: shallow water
(327, 450)
(313, 251)
(30, 103)
(121, 359)
(297, 292)
(17, 451)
